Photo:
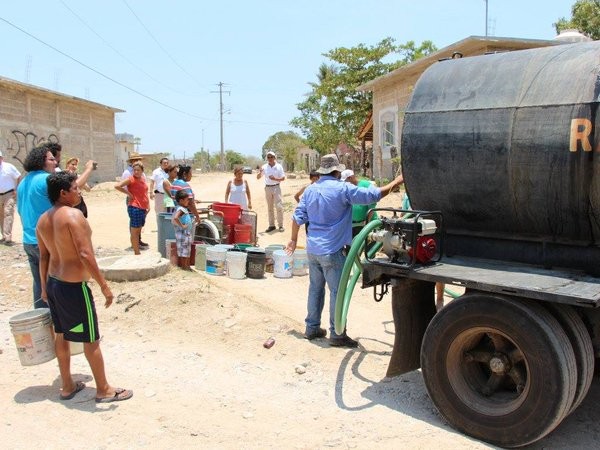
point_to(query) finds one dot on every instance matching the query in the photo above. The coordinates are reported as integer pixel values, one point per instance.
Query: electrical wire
(159, 45)
(108, 44)
(135, 91)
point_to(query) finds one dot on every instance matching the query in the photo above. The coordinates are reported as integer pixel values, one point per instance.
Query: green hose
(345, 288)
(353, 261)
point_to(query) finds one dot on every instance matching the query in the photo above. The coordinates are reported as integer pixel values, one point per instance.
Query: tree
(233, 158)
(585, 18)
(285, 144)
(334, 110)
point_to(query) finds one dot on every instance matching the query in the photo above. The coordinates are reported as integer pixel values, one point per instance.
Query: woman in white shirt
(238, 190)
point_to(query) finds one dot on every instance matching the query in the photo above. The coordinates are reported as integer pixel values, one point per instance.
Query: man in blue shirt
(32, 202)
(327, 205)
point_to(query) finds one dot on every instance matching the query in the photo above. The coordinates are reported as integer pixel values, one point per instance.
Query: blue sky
(265, 51)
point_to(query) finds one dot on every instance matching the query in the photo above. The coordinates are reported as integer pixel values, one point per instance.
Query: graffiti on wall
(21, 143)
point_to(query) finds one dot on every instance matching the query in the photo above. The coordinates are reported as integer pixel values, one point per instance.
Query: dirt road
(190, 346)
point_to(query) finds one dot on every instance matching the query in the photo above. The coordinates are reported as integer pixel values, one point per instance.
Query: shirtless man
(67, 261)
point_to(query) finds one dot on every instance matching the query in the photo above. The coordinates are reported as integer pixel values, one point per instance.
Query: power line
(118, 52)
(103, 75)
(159, 45)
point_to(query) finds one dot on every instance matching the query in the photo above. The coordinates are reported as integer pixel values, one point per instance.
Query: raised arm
(83, 178)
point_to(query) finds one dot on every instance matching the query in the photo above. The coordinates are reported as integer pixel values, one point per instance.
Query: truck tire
(499, 369)
(581, 341)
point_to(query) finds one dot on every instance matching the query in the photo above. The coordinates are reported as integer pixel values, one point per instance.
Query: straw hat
(133, 156)
(330, 163)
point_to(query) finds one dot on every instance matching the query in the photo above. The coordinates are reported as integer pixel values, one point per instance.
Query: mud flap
(413, 307)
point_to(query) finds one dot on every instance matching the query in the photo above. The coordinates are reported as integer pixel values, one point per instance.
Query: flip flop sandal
(79, 386)
(120, 395)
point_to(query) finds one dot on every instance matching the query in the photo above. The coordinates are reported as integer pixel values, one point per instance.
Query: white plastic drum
(282, 264)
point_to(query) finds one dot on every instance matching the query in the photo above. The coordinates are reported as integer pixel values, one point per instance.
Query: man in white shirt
(9, 180)
(156, 185)
(274, 174)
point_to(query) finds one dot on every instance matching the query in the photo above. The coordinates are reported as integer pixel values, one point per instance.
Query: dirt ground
(190, 346)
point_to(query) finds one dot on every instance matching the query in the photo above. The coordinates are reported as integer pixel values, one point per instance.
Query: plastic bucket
(171, 251)
(236, 264)
(215, 260)
(231, 212)
(33, 335)
(269, 249)
(201, 256)
(255, 263)
(282, 264)
(243, 233)
(165, 230)
(300, 264)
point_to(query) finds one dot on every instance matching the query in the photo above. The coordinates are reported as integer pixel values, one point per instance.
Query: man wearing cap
(327, 205)
(128, 173)
(359, 212)
(274, 174)
(9, 180)
(157, 191)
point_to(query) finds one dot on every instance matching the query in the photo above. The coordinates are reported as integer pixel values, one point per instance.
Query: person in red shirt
(138, 203)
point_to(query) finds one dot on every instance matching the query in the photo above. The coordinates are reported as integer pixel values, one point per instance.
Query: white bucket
(33, 335)
(215, 260)
(282, 264)
(300, 265)
(76, 348)
(236, 265)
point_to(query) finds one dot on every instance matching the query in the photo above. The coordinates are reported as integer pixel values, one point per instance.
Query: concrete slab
(134, 267)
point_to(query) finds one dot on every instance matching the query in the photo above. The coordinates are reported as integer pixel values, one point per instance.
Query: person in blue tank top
(32, 202)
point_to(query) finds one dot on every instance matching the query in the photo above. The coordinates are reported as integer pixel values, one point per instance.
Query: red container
(243, 233)
(231, 212)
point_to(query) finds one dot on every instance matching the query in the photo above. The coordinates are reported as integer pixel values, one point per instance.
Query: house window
(389, 135)
(387, 120)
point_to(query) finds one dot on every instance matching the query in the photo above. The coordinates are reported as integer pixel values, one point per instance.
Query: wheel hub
(499, 364)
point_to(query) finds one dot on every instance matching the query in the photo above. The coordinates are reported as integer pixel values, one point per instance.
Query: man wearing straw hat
(327, 205)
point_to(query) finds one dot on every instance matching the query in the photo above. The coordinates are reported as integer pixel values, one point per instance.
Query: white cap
(271, 154)
(347, 174)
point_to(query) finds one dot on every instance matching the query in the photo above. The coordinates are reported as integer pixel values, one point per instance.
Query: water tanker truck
(501, 161)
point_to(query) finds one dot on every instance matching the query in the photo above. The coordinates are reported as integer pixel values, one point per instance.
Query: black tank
(504, 145)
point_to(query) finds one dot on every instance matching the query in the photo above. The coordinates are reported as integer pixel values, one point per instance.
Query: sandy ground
(190, 346)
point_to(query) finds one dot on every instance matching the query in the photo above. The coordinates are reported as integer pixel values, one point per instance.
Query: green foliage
(585, 17)
(285, 144)
(334, 110)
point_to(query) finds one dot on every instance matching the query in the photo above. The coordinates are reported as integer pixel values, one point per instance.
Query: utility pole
(220, 91)
(486, 17)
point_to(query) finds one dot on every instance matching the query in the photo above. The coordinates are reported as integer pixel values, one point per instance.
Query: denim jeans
(323, 269)
(33, 256)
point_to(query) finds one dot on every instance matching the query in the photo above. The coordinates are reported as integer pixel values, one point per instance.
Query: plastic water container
(255, 263)
(236, 264)
(300, 263)
(282, 264)
(34, 338)
(201, 256)
(215, 260)
(269, 249)
(243, 233)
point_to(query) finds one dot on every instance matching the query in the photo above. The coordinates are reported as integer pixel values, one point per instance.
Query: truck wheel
(499, 369)
(580, 339)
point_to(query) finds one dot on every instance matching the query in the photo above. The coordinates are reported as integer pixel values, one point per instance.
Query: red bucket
(231, 212)
(243, 233)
